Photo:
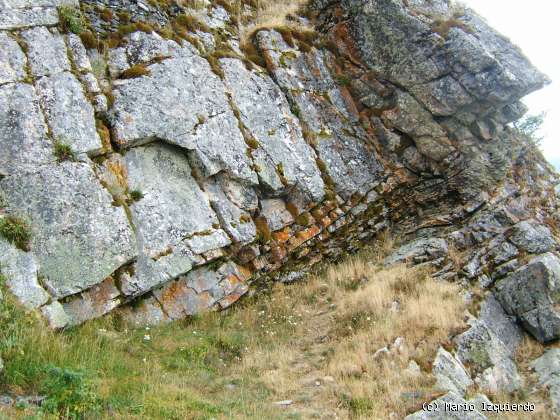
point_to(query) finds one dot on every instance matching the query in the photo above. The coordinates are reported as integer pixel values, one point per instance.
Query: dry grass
(272, 14)
(313, 343)
(349, 312)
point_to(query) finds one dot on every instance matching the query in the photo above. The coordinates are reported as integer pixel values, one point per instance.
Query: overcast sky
(534, 26)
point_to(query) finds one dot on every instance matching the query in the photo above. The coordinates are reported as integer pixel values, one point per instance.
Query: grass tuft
(71, 19)
(138, 70)
(16, 231)
(63, 151)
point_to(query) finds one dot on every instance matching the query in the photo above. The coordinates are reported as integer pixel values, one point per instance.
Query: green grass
(16, 231)
(187, 369)
(71, 19)
(63, 151)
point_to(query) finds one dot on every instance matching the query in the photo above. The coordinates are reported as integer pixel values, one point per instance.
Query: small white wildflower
(147, 337)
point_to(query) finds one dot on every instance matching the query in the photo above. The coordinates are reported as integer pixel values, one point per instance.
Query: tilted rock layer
(205, 172)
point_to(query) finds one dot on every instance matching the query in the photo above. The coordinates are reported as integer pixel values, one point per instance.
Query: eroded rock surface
(162, 177)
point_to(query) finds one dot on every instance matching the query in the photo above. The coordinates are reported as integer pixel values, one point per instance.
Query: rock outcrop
(160, 174)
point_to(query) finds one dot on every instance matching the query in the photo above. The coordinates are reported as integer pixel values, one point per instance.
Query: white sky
(535, 27)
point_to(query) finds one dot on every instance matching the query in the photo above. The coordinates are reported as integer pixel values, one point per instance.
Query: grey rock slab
(23, 4)
(533, 237)
(23, 132)
(547, 368)
(183, 103)
(531, 294)
(490, 358)
(79, 53)
(173, 216)
(450, 373)
(420, 249)
(12, 60)
(93, 303)
(235, 221)
(501, 324)
(276, 214)
(24, 18)
(282, 154)
(411, 118)
(69, 114)
(342, 145)
(450, 406)
(20, 270)
(78, 237)
(46, 52)
(55, 315)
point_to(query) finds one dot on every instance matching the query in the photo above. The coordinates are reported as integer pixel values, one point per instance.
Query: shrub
(71, 19)
(138, 70)
(68, 393)
(63, 151)
(16, 231)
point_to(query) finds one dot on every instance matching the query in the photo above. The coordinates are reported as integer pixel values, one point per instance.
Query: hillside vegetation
(303, 350)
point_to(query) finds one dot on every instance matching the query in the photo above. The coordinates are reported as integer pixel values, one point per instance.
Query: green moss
(263, 229)
(63, 151)
(106, 15)
(252, 143)
(286, 55)
(16, 231)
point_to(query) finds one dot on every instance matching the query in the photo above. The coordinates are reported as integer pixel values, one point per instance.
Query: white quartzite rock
(20, 270)
(450, 373)
(480, 347)
(547, 368)
(173, 217)
(282, 154)
(46, 52)
(183, 103)
(23, 133)
(78, 237)
(12, 60)
(25, 18)
(69, 113)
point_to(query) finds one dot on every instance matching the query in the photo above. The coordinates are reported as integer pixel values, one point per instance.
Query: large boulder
(532, 237)
(532, 294)
(418, 251)
(490, 359)
(450, 373)
(547, 368)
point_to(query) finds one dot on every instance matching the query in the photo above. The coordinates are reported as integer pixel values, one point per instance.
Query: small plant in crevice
(63, 151)
(136, 195)
(71, 19)
(138, 70)
(16, 231)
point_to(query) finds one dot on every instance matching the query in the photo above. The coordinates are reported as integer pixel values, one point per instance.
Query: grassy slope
(312, 343)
